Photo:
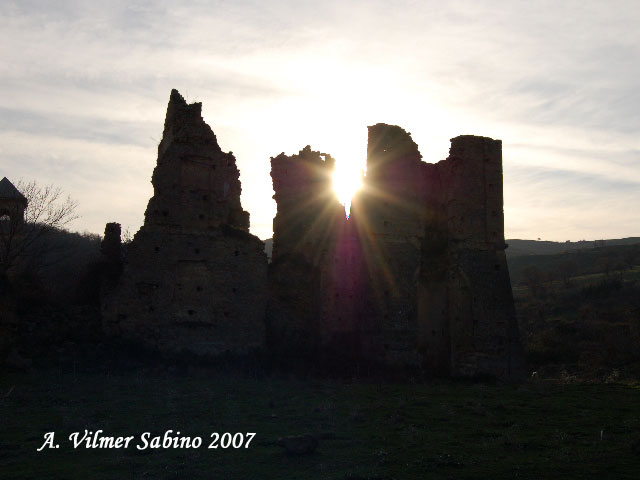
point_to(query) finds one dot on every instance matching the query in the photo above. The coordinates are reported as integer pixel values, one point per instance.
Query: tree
(22, 233)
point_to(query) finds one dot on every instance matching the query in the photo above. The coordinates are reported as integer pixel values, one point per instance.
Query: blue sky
(84, 87)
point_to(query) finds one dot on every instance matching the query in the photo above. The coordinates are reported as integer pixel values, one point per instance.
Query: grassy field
(366, 429)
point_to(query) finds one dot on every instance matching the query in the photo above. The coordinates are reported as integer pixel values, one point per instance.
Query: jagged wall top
(196, 184)
(390, 150)
(307, 205)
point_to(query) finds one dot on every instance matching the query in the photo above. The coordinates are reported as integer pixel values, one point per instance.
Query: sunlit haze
(347, 180)
(84, 88)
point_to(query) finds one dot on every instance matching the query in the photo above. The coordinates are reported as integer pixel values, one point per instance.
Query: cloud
(558, 203)
(84, 85)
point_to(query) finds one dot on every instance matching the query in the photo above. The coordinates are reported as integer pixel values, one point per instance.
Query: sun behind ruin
(416, 277)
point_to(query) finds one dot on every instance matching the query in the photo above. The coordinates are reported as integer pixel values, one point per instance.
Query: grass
(366, 430)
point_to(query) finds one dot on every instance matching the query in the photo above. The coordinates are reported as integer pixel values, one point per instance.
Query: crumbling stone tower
(479, 319)
(194, 277)
(417, 275)
(112, 253)
(308, 220)
(389, 214)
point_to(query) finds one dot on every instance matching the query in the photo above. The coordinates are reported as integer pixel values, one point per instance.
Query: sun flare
(346, 182)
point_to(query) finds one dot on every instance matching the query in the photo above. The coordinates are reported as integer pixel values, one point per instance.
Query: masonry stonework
(416, 276)
(194, 278)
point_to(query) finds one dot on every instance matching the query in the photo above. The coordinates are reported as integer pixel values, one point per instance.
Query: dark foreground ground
(366, 429)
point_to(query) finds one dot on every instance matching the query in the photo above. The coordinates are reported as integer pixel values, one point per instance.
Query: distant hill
(518, 248)
(576, 262)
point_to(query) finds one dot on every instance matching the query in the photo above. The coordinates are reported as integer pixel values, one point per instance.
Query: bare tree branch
(47, 210)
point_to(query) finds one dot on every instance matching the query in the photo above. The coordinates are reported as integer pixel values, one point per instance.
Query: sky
(84, 87)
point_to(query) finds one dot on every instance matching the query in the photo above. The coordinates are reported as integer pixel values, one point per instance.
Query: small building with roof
(12, 202)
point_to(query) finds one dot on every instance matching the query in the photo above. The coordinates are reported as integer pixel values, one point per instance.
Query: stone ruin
(416, 276)
(194, 278)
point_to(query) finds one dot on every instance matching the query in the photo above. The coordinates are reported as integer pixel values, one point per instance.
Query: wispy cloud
(84, 85)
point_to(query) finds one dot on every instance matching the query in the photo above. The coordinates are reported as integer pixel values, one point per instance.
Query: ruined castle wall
(392, 196)
(438, 287)
(344, 288)
(474, 191)
(434, 340)
(308, 213)
(194, 278)
(417, 276)
(482, 317)
(203, 293)
(196, 184)
(389, 214)
(305, 229)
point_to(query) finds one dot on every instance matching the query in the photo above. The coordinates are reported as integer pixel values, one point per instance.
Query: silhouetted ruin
(112, 253)
(417, 276)
(194, 279)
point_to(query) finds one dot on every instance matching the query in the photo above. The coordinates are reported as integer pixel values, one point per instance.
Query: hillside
(519, 248)
(572, 263)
